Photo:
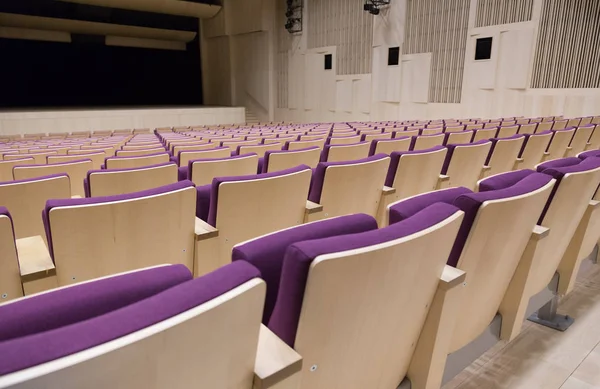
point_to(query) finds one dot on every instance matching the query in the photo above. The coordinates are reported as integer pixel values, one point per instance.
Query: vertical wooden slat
(494, 12)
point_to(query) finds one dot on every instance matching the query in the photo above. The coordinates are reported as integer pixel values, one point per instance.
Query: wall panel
(494, 12)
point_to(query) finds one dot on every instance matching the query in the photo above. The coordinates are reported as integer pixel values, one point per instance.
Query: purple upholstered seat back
(112, 312)
(395, 161)
(299, 256)
(265, 164)
(86, 181)
(267, 253)
(104, 199)
(208, 195)
(468, 202)
(318, 179)
(588, 154)
(452, 147)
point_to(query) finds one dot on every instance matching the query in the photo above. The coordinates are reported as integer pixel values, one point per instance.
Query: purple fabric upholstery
(318, 178)
(267, 253)
(113, 323)
(208, 195)
(326, 148)
(527, 136)
(85, 301)
(104, 199)
(86, 181)
(500, 181)
(183, 173)
(395, 161)
(469, 203)
(451, 148)
(447, 136)
(299, 256)
(265, 165)
(495, 142)
(588, 154)
(376, 141)
(557, 163)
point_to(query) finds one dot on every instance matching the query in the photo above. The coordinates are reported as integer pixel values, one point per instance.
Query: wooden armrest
(520, 160)
(388, 190)
(451, 277)
(539, 232)
(485, 168)
(313, 207)
(275, 360)
(204, 230)
(443, 178)
(34, 257)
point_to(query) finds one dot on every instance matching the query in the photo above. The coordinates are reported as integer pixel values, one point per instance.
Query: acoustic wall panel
(494, 12)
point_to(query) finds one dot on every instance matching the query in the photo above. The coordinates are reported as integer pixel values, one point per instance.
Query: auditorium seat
(458, 137)
(425, 142)
(10, 276)
(184, 156)
(141, 146)
(344, 139)
(559, 124)
(259, 150)
(286, 159)
(203, 171)
(492, 238)
(507, 131)
(343, 188)
(533, 149)
(544, 126)
(559, 143)
(431, 131)
(76, 171)
(303, 144)
(455, 128)
(343, 293)
(39, 158)
(341, 153)
(139, 153)
(585, 121)
(576, 182)
(6, 167)
(234, 209)
(96, 158)
(594, 142)
(411, 173)
(401, 134)
(132, 162)
(121, 233)
(121, 181)
(503, 154)
(375, 136)
(388, 146)
(486, 133)
(579, 140)
(464, 163)
(574, 122)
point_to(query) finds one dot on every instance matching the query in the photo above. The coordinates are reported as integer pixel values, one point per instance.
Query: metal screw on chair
(313, 368)
(4, 295)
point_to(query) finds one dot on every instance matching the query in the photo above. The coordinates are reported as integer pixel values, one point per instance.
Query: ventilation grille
(494, 12)
(567, 53)
(283, 46)
(343, 24)
(440, 28)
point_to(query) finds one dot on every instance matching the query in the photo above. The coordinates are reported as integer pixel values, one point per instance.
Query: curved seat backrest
(559, 143)
(344, 188)
(303, 144)
(341, 153)
(464, 163)
(529, 128)
(139, 153)
(388, 146)
(574, 122)
(425, 142)
(579, 141)
(184, 157)
(402, 134)
(203, 171)
(559, 124)
(544, 126)
(259, 150)
(121, 233)
(285, 159)
(25, 200)
(76, 171)
(504, 153)
(133, 162)
(193, 147)
(141, 146)
(6, 167)
(192, 142)
(455, 128)
(344, 139)
(461, 137)
(486, 133)
(39, 158)
(376, 136)
(432, 131)
(96, 158)
(415, 172)
(152, 332)
(10, 276)
(594, 142)
(507, 131)
(534, 147)
(121, 181)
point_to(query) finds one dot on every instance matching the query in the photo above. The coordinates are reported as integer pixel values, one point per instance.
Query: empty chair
(585, 121)
(344, 140)
(559, 124)
(494, 233)
(139, 153)
(76, 171)
(401, 134)
(224, 305)
(575, 122)
(301, 144)
(455, 128)
(507, 131)
(544, 126)
(185, 156)
(25, 200)
(340, 153)
(486, 133)
(529, 128)
(285, 159)
(411, 173)
(431, 131)
(375, 136)
(96, 158)
(458, 137)
(259, 150)
(10, 276)
(576, 182)
(341, 292)
(594, 142)
(192, 147)
(120, 181)
(388, 146)
(132, 162)
(343, 188)
(233, 209)
(579, 140)
(503, 154)
(464, 163)
(559, 143)
(6, 167)
(425, 142)
(39, 158)
(202, 171)
(121, 233)
(533, 149)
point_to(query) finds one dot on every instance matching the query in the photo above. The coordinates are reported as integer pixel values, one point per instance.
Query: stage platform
(83, 119)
